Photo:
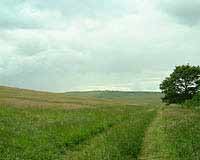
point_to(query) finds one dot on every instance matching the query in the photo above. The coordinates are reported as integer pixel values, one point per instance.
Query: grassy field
(95, 126)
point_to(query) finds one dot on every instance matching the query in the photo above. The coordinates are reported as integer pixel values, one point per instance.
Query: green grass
(182, 129)
(122, 141)
(51, 133)
(173, 135)
(100, 125)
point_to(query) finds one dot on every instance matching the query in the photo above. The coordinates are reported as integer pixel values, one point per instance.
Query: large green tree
(181, 85)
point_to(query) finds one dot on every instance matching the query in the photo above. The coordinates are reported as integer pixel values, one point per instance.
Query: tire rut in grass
(81, 140)
(154, 146)
(121, 141)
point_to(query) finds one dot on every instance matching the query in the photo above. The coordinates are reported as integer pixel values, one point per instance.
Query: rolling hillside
(74, 99)
(99, 125)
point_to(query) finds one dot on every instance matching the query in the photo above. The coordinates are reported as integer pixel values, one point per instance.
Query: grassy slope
(104, 125)
(173, 135)
(41, 125)
(76, 99)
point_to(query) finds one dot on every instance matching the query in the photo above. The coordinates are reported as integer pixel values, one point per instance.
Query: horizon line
(95, 90)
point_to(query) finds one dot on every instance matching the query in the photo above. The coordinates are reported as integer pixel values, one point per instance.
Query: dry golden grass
(29, 98)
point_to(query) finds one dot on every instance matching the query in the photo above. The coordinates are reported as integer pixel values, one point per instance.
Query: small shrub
(194, 102)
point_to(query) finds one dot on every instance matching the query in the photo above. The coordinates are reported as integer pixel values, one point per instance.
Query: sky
(73, 45)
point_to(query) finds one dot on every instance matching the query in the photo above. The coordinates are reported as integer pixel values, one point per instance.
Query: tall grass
(182, 130)
(33, 133)
(95, 126)
(123, 141)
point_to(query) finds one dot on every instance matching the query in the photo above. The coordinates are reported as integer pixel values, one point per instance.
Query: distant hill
(133, 97)
(23, 96)
(113, 94)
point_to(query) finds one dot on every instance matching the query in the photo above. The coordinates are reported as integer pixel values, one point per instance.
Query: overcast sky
(68, 45)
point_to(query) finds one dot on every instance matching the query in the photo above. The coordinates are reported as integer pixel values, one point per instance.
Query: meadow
(99, 125)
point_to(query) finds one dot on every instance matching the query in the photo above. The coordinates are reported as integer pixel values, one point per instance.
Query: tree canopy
(181, 85)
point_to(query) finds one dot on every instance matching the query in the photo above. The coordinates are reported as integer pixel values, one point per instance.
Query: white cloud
(49, 50)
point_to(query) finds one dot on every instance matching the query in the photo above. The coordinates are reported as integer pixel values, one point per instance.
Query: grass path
(122, 141)
(104, 133)
(154, 145)
(174, 134)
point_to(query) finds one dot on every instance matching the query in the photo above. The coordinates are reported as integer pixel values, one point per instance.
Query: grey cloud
(30, 48)
(185, 11)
